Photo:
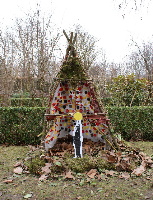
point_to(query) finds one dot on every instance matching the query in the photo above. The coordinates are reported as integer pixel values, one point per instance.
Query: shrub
(35, 165)
(129, 91)
(80, 165)
(102, 164)
(21, 125)
(27, 102)
(132, 122)
(21, 95)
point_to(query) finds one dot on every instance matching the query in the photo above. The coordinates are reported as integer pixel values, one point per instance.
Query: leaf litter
(102, 163)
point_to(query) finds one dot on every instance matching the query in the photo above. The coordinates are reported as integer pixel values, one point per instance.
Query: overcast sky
(101, 18)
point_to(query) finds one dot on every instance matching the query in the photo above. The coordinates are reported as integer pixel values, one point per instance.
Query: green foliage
(21, 125)
(27, 102)
(102, 164)
(128, 91)
(34, 165)
(72, 69)
(21, 95)
(132, 122)
(57, 167)
(80, 165)
(108, 101)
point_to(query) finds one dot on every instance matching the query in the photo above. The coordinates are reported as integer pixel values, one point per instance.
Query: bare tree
(133, 4)
(141, 64)
(86, 47)
(142, 61)
(29, 51)
(6, 83)
(126, 6)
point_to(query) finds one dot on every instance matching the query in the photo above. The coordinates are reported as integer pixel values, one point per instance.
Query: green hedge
(132, 122)
(27, 102)
(110, 101)
(21, 125)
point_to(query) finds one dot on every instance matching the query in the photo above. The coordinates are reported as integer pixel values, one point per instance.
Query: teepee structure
(74, 108)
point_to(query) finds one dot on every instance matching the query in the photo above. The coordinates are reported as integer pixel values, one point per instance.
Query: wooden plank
(100, 116)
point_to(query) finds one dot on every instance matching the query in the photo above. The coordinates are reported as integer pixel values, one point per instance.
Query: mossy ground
(80, 188)
(81, 165)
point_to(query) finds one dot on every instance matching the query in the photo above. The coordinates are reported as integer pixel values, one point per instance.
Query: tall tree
(6, 83)
(142, 61)
(30, 49)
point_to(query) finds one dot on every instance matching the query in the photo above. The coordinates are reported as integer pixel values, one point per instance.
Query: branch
(74, 40)
(66, 36)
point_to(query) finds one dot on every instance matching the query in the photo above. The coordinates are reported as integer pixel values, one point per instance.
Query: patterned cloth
(67, 101)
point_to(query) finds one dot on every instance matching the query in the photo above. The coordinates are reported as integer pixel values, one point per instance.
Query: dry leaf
(86, 148)
(109, 173)
(18, 170)
(62, 153)
(106, 194)
(88, 180)
(27, 158)
(79, 197)
(27, 196)
(99, 177)
(26, 172)
(46, 170)
(148, 178)
(123, 166)
(112, 158)
(32, 148)
(49, 159)
(139, 170)
(124, 175)
(119, 153)
(8, 181)
(69, 176)
(18, 164)
(48, 164)
(92, 173)
(148, 161)
(43, 177)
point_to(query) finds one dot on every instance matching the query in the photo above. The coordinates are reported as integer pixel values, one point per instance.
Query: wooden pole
(70, 51)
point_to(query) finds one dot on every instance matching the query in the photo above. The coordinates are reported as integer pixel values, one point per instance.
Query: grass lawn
(29, 187)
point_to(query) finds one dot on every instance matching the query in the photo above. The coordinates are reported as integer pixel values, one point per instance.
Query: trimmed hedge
(27, 102)
(132, 122)
(22, 125)
(112, 102)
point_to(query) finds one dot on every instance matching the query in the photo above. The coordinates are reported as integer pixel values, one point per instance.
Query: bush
(21, 95)
(21, 125)
(35, 165)
(132, 122)
(80, 165)
(129, 91)
(27, 102)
